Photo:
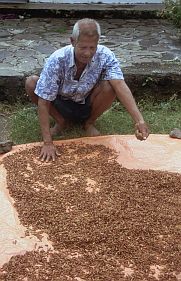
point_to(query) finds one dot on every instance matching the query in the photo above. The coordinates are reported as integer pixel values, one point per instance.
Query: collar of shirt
(72, 58)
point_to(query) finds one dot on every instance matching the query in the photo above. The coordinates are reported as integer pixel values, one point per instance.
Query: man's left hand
(141, 131)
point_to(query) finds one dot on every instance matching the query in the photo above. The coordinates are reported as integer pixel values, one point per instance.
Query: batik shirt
(57, 76)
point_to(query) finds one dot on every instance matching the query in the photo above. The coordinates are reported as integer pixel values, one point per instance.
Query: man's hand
(48, 152)
(141, 130)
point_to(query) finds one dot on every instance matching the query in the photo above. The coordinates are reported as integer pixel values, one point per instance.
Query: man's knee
(105, 88)
(30, 84)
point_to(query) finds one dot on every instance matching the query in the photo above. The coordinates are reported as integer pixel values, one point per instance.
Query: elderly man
(78, 83)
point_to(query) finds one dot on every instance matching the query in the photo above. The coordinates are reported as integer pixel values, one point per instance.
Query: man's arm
(48, 150)
(125, 96)
(43, 113)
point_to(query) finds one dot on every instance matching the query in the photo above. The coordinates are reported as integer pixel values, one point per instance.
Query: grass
(25, 126)
(162, 117)
(62, 29)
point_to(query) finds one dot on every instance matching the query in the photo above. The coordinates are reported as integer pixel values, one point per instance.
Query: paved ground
(144, 48)
(25, 44)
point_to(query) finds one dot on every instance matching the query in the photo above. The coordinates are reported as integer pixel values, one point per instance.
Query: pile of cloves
(106, 222)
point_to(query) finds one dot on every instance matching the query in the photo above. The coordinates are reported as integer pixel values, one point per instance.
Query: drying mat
(85, 217)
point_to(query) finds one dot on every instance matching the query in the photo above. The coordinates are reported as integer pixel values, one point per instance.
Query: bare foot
(175, 133)
(91, 131)
(56, 130)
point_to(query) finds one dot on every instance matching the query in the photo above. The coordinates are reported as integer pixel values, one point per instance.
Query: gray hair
(86, 21)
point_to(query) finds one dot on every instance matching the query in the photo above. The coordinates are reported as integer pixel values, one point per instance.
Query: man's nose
(88, 52)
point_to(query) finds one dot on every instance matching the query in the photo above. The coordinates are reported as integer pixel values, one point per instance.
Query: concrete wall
(98, 1)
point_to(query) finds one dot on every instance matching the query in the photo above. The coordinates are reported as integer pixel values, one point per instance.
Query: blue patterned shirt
(57, 76)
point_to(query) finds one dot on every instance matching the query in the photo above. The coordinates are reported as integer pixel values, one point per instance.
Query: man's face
(84, 49)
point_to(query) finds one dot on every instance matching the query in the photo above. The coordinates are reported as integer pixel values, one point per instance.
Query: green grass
(162, 117)
(62, 29)
(25, 126)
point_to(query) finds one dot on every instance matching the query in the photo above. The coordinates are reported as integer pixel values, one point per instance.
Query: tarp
(158, 152)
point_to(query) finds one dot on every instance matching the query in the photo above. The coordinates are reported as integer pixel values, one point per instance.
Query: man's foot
(91, 131)
(175, 133)
(56, 130)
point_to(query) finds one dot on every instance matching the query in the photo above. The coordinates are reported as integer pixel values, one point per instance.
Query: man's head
(85, 37)
(86, 27)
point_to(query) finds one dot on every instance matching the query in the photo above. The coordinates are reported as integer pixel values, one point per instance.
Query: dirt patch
(105, 222)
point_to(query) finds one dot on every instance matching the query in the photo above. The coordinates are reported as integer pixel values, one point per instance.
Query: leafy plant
(172, 11)
(148, 81)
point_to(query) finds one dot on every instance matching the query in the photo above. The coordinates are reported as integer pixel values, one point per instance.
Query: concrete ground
(149, 50)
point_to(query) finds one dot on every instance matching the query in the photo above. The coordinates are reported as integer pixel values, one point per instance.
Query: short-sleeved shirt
(57, 76)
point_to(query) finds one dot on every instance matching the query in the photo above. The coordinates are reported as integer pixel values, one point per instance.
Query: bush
(173, 11)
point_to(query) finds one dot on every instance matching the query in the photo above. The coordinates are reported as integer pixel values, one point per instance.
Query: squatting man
(77, 84)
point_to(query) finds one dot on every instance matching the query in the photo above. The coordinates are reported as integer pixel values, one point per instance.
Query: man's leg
(30, 86)
(102, 98)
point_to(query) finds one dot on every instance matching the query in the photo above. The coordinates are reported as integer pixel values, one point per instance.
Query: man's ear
(72, 41)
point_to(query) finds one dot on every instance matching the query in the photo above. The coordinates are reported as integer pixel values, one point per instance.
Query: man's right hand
(48, 152)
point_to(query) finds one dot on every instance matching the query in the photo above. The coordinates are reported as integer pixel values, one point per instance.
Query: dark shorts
(73, 111)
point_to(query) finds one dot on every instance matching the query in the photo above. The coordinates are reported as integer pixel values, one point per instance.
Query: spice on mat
(106, 222)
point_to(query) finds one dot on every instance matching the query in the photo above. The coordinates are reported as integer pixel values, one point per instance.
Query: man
(78, 83)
